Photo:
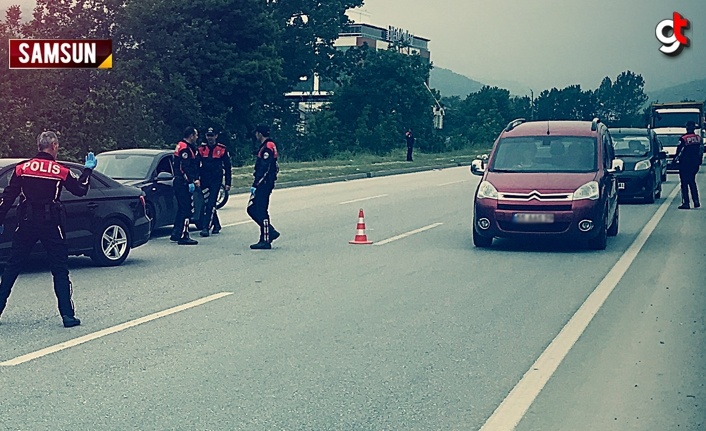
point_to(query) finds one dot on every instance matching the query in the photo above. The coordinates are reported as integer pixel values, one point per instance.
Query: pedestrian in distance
(186, 181)
(409, 137)
(41, 217)
(265, 175)
(214, 163)
(688, 157)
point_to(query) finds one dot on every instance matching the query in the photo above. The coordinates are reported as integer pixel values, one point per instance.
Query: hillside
(450, 83)
(694, 90)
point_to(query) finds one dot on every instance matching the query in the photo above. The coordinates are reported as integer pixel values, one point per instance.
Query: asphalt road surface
(419, 331)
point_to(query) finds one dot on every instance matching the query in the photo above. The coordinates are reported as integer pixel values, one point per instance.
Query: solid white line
(452, 182)
(405, 235)
(90, 337)
(513, 408)
(362, 199)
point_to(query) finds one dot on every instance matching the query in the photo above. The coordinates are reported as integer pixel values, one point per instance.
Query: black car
(152, 171)
(105, 224)
(645, 164)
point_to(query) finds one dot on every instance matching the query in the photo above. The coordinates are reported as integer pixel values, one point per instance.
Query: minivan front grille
(535, 195)
(522, 207)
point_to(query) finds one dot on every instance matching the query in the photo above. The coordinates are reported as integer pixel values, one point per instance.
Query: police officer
(409, 137)
(689, 158)
(40, 216)
(186, 180)
(266, 169)
(215, 161)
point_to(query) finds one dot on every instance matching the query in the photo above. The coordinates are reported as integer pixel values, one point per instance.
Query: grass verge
(358, 164)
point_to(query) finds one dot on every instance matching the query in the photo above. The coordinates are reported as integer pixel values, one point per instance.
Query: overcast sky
(543, 43)
(550, 43)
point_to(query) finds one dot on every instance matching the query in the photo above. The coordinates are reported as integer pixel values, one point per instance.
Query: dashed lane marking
(405, 235)
(94, 336)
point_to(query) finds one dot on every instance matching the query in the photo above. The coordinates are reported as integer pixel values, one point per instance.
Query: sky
(541, 44)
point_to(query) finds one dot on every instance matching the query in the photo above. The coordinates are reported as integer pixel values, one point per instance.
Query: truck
(668, 120)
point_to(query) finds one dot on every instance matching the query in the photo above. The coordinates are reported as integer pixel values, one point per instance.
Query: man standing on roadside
(40, 217)
(215, 161)
(410, 144)
(689, 158)
(266, 169)
(186, 180)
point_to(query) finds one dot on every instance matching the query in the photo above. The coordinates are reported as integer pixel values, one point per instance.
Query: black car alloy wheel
(111, 244)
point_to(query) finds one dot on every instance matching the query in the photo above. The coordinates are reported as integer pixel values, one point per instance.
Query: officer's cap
(263, 130)
(690, 124)
(211, 131)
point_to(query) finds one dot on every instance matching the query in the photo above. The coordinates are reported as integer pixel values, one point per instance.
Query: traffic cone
(360, 237)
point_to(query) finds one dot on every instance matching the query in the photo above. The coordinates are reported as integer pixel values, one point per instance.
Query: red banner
(61, 54)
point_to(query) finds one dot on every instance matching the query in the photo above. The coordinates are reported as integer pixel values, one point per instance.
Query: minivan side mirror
(618, 166)
(478, 165)
(164, 176)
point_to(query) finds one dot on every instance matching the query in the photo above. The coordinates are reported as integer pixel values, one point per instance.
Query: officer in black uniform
(689, 158)
(266, 169)
(186, 180)
(41, 216)
(215, 161)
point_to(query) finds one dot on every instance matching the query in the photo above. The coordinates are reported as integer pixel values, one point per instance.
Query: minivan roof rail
(594, 124)
(514, 123)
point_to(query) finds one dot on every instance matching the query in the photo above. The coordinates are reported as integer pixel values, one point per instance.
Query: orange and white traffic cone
(360, 237)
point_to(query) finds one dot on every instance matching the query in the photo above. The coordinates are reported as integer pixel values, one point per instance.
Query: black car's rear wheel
(111, 244)
(222, 197)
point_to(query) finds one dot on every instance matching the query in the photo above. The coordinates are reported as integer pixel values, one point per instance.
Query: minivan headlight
(487, 191)
(589, 190)
(643, 165)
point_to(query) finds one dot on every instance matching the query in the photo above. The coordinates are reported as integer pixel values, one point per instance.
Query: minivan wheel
(613, 229)
(600, 241)
(481, 241)
(650, 196)
(111, 244)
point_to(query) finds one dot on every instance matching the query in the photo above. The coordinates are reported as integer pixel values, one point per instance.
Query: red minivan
(548, 179)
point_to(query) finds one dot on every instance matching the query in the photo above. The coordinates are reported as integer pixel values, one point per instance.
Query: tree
(205, 62)
(381, 98)
(309, 29)
(621, 103)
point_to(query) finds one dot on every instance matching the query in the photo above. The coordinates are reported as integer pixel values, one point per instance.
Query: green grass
(355, 164)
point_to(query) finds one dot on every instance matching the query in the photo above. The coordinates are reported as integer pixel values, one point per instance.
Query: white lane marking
(405, 235)
(513, 408)
(238, 223)
(362, 199)
(452, 182)
(108, 331)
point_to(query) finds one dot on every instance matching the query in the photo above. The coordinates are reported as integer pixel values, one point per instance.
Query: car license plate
(533, 218)
(621, 186)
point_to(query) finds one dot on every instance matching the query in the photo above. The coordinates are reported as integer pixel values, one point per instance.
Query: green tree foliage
(309, 30)
(481, 115)
(381, 98)
(570, 103)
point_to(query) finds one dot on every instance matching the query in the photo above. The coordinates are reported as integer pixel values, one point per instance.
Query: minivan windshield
(545, 154)
(631, 145)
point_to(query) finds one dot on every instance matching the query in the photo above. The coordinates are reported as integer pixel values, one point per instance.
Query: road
(419, 331)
